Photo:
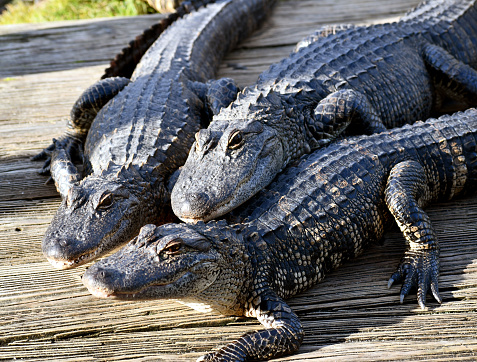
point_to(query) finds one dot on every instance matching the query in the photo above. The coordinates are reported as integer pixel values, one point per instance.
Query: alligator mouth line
(67, 264)
(86, 257)
(106, 293)
(82, 259)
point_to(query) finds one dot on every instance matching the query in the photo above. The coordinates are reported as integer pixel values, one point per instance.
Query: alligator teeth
(66, 264)
(61, 264)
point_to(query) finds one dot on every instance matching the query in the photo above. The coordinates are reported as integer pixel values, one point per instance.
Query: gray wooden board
(47, 314)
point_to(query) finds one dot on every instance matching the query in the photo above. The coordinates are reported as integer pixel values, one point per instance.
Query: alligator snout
(190, 206)
(99, 280)
(58, 251)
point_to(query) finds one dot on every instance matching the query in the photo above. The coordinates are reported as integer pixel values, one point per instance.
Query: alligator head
(238, 155)
(173, 261)
(95, 216)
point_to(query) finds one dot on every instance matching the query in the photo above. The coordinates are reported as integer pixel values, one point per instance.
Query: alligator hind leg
(82, 115)
(340, 112)
(451, 77)
(406, 193)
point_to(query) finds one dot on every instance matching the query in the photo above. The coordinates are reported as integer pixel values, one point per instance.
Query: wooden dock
(47, 315)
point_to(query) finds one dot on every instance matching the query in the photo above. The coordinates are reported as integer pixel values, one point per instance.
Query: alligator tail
(448, 24)
(125, 62)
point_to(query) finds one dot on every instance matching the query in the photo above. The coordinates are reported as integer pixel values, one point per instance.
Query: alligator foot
(418, 269)
(345, 110)
(72, 145)
(84, 111)
(283, 334)
(451, 77)
(406, 192)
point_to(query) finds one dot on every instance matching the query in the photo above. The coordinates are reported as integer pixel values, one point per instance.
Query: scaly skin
(124, 63)
(355, 80)
(95, 97)
(318, 213)
(143, 134)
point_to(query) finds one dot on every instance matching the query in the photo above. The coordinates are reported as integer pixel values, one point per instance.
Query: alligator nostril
(199, 198)
(59, 248)
(100, 275)
(100, 281)
(193, 204)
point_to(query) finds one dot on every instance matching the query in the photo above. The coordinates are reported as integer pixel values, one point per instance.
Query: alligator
(358, 79)
(143, 134)
(320, 212)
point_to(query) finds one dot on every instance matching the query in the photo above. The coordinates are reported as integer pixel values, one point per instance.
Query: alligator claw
(418, 269)
(203, 358)
(45, 153)
(72, 145)
(45, 170)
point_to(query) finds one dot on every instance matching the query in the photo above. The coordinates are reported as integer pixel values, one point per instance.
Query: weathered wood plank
(47, 314)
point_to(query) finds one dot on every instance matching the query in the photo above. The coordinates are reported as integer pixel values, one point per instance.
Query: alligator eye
(105, 202)
(235, 140)
(173, 247)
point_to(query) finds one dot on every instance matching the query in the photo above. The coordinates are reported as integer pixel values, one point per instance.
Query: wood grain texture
(47, 315)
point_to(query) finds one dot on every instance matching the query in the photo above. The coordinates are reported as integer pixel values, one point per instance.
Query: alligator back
(125, 62)
(384, 61)
(449, 24)
(151, 123)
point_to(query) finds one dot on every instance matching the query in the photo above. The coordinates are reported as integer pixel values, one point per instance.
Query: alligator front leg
(82, 115)
(63, 171)
(338, 111)
(283, 335)
(406, 192)
(451, 77)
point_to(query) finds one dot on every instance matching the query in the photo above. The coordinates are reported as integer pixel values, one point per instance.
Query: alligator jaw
(93, 283)
(217, 212)
(100, 293)
(63, 264)
(106, 293)
(68, 264)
